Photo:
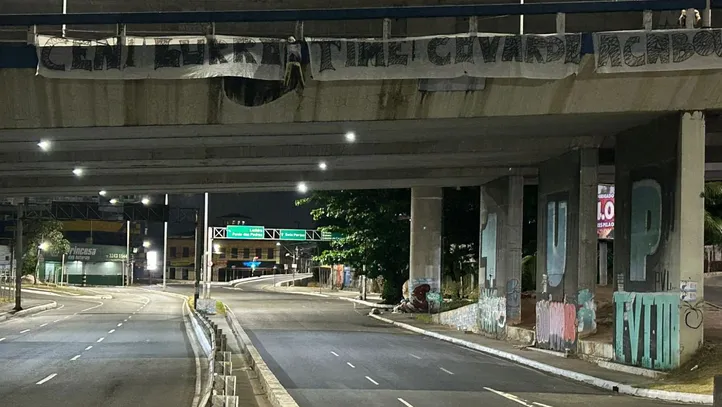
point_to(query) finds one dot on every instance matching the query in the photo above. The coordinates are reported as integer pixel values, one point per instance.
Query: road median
(28, 311)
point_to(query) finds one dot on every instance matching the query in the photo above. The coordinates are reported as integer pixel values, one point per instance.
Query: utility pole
(19, 256)
(165, 245)
(295, 264)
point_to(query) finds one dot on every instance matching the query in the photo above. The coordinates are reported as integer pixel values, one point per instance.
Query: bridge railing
(508, 17)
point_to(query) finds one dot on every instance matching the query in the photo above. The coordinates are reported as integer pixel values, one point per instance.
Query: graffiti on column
(646, 226)
(556, 241)
(586, 312)
(513, 299)
(492, 312)
(556, 324)
(647, 329)
(488, 251)
(418, 288)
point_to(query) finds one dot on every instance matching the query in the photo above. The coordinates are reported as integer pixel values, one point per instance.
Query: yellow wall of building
(181, 251)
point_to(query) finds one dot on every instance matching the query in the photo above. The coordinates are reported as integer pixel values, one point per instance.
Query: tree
(45, 233)
(713, 213)
(461, 230)
(375, 229)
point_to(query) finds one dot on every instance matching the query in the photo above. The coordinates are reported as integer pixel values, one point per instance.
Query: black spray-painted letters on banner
(654, 51)
(552, 56)
(181, 57)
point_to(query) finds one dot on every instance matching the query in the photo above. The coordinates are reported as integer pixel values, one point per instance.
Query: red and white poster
(605, 211)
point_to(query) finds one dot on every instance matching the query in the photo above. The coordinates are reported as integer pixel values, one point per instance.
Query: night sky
(269, 209)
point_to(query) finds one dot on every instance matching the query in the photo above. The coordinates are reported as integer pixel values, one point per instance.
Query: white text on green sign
(292, 234)
(245, 232)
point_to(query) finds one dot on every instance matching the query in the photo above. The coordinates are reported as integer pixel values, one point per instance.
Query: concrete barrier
(30, 311)
(277, 395)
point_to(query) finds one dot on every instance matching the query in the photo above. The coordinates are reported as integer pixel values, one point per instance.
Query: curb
(362, 302)
(30, 311)
(276, 394)
(579, 377)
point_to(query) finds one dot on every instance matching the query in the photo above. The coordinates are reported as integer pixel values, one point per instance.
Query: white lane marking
(372, 380)
(75, 358)
(125, 320)
(414, 356)
(404, 402)
(45, 324)
(2, 339)
(89, 347)
(540, 404)
(100, 340)
(120, 324)
(57, 320)
(352, 366)
(111, 331)
(67, 316)
(50, 377)
(24, 330)
(510, 397)
(334, 353)
(447, 371)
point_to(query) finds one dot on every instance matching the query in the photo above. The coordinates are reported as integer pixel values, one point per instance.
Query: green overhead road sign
(331, 235)
(292, 234)
(245, 232)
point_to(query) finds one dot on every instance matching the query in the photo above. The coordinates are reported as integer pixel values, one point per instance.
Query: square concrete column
(567, 249)
(425, 253)
(500, 237)
(659, 242)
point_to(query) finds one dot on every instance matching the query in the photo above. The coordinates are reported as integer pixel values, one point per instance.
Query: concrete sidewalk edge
(356, 300)
(277, 395)
(369, 303)
(29, 311)
(579, 377)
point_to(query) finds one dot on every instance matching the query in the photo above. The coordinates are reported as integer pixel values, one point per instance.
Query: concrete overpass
(180, 135)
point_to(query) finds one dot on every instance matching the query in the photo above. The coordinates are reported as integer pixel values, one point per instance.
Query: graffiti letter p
(556, 237)
(646, 226)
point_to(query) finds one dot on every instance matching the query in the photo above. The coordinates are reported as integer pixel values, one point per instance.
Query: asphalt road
(131, 350)
(713, 290)
(329, 353)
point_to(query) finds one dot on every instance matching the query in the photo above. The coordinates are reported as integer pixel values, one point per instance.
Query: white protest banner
(182, 57)
(656, 51)
(553, 56)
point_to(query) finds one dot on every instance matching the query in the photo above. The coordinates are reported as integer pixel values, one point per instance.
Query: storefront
(88, 265)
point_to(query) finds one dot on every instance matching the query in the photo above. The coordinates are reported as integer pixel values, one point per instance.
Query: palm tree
(713, 213)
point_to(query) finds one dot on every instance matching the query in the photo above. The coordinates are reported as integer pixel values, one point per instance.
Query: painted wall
(492, 313)
(647, 329)
(556, 326)
(500, 249)
(566, 248)
(465, 318)
(650, 261)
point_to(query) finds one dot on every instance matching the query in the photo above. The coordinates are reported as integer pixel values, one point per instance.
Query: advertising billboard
(605, 211)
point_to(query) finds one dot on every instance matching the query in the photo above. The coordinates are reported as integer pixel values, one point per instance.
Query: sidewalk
(6, 308)
(572, 368)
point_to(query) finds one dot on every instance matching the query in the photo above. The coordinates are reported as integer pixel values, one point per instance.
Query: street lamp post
(165, 245)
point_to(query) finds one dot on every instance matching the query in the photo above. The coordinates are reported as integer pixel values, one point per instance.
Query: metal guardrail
(368, 13)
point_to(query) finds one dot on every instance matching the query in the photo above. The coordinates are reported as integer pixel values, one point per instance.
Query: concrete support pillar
(567, 249)
(502, 204)
(659, 246)
(425, 251)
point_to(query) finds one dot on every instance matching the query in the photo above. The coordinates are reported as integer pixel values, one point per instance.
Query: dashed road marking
(75, 358)
(372, 380)
(100, 340)
(45, 324)
(57, 320)
(404, 402)
(24, 330)
(45, 380)
(334, 353)
(414, 356)
(89, 347)
(352, 366)
(2, 339)
(446, 371)
(111, 331)
(515, 398)
(120, 324)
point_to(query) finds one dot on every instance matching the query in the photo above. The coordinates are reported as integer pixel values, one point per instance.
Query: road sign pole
(165, 246)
